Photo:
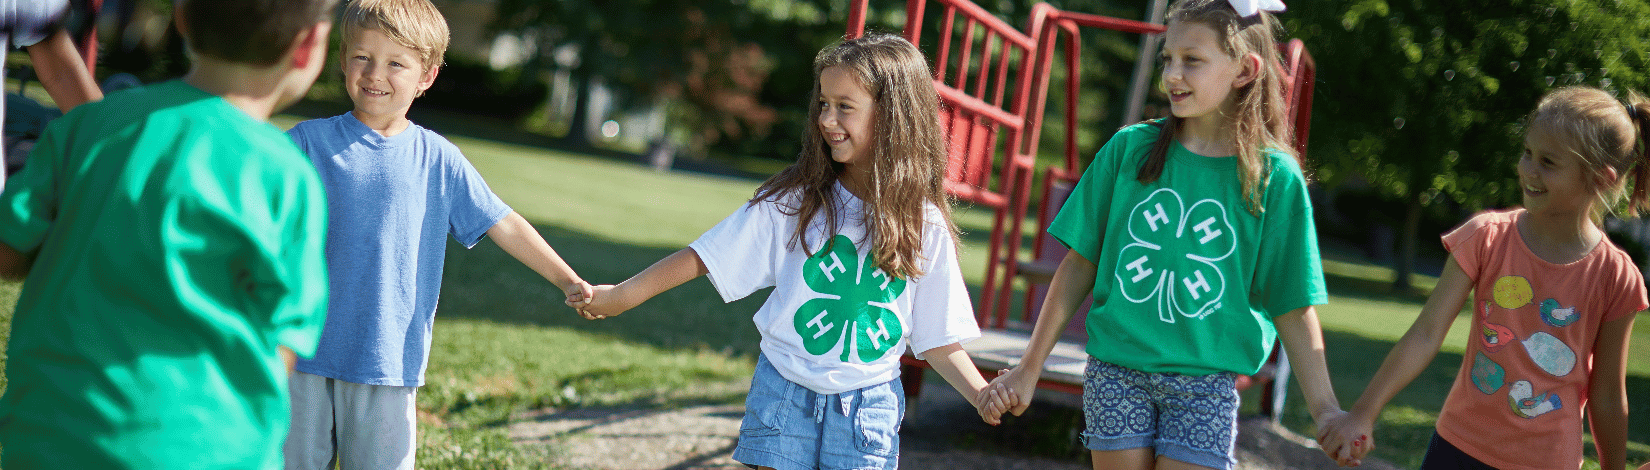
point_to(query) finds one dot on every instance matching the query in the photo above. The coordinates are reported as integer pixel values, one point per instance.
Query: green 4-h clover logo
(854, 308)
(1171, 261)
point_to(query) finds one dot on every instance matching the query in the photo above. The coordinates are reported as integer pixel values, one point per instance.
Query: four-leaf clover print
(853, 310)
(1171, 259)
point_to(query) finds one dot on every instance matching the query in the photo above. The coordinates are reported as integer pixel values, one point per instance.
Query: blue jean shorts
(789, 427)
(1190, 418)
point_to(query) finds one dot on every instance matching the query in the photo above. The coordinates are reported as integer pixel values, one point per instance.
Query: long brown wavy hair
(907, 154)
(1260, 122)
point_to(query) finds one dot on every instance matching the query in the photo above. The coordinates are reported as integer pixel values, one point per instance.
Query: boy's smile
(382, 78)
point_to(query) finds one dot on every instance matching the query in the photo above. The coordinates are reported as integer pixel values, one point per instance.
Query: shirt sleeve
(941, 312)
(1081, 223)
(472, 207)
(740, 252)
(1289, 270)
(1630, 295)
(299, 316)
(33, 20)
(28, 204)
(1466, 244)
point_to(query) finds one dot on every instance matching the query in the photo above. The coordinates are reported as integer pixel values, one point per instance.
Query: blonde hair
(907, 154)
(1260, 123)
(1603, 133)
(414, 24)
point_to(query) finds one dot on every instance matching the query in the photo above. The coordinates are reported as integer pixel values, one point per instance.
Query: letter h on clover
(853, 310)
(1171, 259)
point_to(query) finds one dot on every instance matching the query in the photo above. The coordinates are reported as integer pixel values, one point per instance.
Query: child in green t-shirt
(1194, 237)
(170, 241)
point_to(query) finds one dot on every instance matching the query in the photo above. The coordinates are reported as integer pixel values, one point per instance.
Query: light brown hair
(907, 154)
(253, 32)
(414, 24)
(1603, 133)
(1260, 122)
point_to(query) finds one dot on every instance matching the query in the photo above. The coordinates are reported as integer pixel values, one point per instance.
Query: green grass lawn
(504, 343)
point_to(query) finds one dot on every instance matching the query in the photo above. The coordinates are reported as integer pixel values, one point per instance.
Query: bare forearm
(519, 239)
(1303, 342)
(1607, 392)
(1402, 365)
(1415, 351)
(674, 270)
(953, 363)
(62, 71)
(1072, 282)
(1609, 424)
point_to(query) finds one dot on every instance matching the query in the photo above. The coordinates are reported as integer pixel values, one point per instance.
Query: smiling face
(1197, 73)
(846, 112)
(1552, 177)
(382, 77)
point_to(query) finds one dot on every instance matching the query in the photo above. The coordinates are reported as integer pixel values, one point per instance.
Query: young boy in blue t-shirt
(395, 192)
(171, 240)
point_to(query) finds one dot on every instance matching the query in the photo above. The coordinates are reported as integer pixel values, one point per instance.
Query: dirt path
(942, 433)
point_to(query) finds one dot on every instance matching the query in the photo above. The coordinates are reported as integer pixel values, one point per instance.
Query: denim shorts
(787, 426)
(1189, 418)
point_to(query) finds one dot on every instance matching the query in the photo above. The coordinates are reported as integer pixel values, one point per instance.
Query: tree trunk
(1404, 264)
(578, 131)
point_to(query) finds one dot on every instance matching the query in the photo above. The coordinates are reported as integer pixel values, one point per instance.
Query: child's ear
(1607, 177)
(310, 47)
(1251, 64)
(428, 79)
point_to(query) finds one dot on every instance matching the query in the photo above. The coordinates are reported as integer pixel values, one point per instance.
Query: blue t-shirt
(392, 202)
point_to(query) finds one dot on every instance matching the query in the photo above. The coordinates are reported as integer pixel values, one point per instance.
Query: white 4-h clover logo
(1172, 259)
(854, 310)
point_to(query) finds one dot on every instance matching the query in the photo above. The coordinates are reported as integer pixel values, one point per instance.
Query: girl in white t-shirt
(856, 239)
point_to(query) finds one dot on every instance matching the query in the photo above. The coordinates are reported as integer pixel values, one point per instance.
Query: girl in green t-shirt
(1194, 236)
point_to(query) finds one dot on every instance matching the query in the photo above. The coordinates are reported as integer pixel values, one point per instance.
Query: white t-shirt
(835, 322)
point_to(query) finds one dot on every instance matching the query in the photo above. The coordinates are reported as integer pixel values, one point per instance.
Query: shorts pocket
(764, 408)
(877, 421)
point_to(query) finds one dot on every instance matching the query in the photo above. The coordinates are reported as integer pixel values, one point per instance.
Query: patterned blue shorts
(1188, 418)
(789, 427)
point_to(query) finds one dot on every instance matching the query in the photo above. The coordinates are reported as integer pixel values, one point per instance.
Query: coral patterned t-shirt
(1517, 401)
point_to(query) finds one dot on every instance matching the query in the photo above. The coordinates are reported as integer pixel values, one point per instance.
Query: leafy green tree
(711, 63)
(1423, 99)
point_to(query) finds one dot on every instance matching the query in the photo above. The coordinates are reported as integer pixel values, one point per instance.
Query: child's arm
(1413, 353)
(953, 363)
(13, 265)
(1303, 341)
(1073, 280)
(522, 242)
(680, 267)
(1607, 393)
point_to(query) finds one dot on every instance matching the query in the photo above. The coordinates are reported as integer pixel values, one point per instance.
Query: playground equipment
(993, 81)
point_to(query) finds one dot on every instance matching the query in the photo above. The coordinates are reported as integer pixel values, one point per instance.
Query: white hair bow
(1248, 8)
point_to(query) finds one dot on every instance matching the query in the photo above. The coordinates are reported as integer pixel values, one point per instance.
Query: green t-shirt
(177, 242)
(1187, 280)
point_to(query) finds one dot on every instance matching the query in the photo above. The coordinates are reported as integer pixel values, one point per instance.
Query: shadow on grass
(1370, 289)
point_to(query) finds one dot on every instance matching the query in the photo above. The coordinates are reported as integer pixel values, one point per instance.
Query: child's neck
(1559, 238)
(253, 90)
(856, 182)
(384, 125)
(1209, 135)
